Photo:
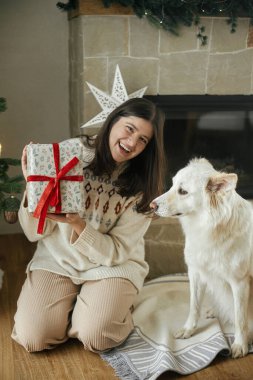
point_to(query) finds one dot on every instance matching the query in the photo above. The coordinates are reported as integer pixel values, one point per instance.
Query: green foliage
(3, 106)
(11, 203)
(171, 14)
(71, 4)
(9, 185)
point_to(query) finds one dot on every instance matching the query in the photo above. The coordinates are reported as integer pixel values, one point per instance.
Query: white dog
(218, 227)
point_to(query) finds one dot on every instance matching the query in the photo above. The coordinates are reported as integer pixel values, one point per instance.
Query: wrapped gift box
(55, 169)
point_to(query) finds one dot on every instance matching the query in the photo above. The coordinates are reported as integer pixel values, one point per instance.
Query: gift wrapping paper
(40, 161)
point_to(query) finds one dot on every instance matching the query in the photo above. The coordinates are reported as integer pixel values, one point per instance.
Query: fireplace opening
(217, 127)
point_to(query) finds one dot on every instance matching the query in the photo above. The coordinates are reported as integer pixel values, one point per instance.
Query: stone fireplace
(217, 127)
(170, 66)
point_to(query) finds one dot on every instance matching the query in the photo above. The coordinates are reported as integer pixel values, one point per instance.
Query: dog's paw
(184, 333)
(238, 350)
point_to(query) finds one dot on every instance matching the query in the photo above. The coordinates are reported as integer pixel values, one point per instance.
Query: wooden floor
(69, 361)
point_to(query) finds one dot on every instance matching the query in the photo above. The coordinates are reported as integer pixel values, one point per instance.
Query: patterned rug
(151, 349)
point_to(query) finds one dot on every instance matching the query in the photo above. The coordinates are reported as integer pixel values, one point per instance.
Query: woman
(87, 269)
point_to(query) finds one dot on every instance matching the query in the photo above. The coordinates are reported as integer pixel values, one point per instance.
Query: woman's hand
(24, 161)
(77, 223)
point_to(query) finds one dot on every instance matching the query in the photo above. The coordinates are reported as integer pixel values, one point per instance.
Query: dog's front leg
(197, 289)
(240, 290)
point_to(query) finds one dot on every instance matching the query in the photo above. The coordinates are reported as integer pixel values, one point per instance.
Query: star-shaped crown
(109, 102)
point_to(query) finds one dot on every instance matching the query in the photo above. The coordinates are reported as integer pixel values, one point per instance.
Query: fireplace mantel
(96, 7)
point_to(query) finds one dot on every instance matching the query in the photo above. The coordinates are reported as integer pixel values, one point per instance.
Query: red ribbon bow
(52, 193)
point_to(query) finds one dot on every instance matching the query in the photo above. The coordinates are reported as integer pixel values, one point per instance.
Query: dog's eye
(182, 191)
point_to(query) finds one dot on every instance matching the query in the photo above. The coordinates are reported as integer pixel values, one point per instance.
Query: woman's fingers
(24, 161)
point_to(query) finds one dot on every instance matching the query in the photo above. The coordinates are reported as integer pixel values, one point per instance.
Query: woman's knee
(33, 339)
(38, 334)
(94, 339)
(43, 311)
(101, 317)
(103, 334)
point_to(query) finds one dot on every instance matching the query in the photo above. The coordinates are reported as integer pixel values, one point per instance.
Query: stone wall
(148, 56)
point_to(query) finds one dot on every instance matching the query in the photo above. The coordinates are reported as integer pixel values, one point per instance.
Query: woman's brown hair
(144, 173)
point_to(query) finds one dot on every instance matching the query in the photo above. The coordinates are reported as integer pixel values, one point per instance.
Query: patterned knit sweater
(111, 244)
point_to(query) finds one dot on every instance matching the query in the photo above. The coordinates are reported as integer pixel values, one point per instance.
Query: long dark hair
(144, 173)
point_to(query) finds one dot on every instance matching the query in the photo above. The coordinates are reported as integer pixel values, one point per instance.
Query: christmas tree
(9, 186)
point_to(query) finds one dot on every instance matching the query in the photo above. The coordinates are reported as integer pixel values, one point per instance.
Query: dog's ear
(200, 161)
(222, 181)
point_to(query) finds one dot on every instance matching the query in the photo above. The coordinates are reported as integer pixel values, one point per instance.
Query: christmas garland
(170, 14)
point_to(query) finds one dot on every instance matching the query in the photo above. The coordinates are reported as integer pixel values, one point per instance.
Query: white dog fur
(218, 228)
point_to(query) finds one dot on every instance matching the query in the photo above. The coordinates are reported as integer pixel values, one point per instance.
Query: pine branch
(10, 161)
(17, 178)
(72, 4)
(171, 14)
(10, 188)
(3, 105)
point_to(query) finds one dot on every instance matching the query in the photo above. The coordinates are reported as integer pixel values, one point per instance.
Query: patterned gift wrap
(42, 168)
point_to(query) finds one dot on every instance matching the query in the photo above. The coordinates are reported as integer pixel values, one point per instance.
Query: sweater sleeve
(116, 246)
(29, 224)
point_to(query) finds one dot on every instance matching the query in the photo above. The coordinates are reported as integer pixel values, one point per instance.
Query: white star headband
(109, 102)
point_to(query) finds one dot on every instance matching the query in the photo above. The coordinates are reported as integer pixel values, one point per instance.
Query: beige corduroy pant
(51, 309)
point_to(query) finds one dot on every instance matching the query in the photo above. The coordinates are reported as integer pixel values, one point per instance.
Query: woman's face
(129, 136)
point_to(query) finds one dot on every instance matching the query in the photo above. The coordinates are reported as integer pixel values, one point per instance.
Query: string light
(161, 21)
(169, 14)
(220, 6)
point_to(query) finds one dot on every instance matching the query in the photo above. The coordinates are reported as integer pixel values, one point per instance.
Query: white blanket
(151, 349)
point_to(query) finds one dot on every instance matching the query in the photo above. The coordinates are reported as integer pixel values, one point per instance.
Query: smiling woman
(135, 120)
(97, 257)
(129, 137)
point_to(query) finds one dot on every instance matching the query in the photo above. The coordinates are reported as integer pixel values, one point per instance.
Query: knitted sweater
(111, 244)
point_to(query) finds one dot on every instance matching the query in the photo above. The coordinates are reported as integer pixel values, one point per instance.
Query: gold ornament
(11, 207)
(11, 217)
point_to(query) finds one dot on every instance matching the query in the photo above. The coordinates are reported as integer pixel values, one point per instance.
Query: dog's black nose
(153, 206)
